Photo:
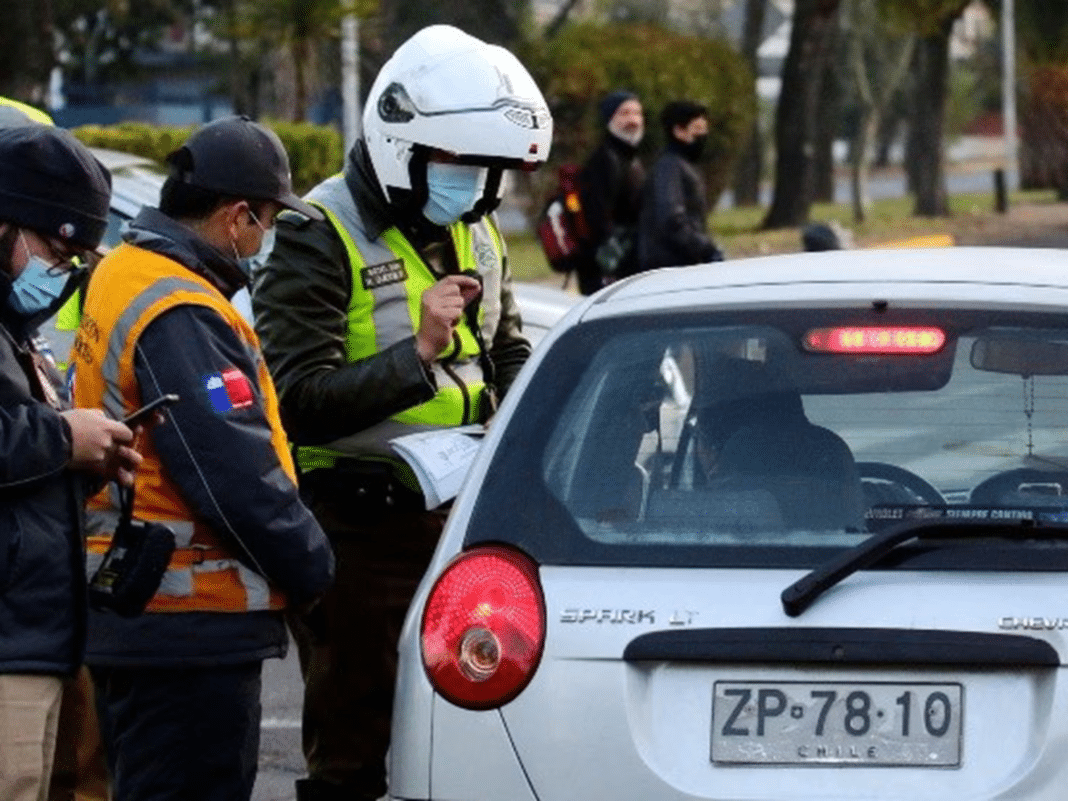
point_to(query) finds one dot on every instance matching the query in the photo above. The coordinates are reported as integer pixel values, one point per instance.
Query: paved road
(281, 761)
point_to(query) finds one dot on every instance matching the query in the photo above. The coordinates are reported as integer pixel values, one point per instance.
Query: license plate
(821, 723)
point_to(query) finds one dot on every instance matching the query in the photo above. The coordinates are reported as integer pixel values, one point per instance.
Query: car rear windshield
(780, 437)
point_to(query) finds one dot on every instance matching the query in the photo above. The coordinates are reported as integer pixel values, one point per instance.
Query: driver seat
(809, 470)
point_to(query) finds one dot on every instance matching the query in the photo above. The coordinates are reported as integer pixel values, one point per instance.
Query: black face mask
(692, 151)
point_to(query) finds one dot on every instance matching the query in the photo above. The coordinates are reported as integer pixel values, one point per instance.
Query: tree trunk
(928, 123)
(559, 19)
(795, 117)
(867, 127)
(826, 132)
(238, 95)
(877, 74)
(26, 51)
(750, 167)
(300, 84)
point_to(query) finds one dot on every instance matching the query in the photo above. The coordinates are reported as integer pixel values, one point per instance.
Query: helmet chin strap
(490, 199)
(409, 203)
(412, 202)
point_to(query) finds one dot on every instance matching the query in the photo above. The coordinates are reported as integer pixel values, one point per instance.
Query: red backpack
(562, 226)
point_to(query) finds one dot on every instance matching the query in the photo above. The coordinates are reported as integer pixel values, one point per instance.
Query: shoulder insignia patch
(485, 255)
(228, 390)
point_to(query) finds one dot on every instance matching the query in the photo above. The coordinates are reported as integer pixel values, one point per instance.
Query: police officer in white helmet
(393, 315)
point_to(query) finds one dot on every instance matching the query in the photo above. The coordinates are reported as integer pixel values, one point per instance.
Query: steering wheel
(919, 487)
(1004, 487)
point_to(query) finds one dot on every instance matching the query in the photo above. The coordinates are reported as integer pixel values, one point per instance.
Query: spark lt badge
(632, 616)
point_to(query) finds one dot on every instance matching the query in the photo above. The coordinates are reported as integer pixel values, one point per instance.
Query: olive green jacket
(300, 301)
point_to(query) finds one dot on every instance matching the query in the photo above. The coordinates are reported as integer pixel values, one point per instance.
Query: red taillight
(484, 628)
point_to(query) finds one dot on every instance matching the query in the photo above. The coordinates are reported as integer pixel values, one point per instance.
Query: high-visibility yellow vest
(388, 280)
(31, 113)
(130, 288)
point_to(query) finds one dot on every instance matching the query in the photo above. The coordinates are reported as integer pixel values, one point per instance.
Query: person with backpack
(610, 189)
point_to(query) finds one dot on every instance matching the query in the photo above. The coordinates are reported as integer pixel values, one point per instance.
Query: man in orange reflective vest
(179, 685)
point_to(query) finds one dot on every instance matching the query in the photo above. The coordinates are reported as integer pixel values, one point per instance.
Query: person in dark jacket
(610, 190)
(393, 316)
(179, 686)
(673, 229)
(54, 199)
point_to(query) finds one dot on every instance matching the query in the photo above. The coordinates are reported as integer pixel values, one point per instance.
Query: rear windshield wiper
(800, 595)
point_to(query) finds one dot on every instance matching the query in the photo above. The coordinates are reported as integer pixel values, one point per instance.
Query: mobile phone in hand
(146, 411)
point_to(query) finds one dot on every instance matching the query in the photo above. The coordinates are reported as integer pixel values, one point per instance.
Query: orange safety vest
(131, 287)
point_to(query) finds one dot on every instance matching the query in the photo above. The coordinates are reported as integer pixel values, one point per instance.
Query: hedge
(315, 151)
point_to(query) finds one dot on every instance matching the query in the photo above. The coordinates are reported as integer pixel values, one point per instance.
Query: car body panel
(135, 182)
(607, 714)
(541, 306)
(485, 742)
(648, 737)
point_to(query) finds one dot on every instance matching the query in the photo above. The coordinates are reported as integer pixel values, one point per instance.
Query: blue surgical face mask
(39, 287)
(452, 190)
(249, 264)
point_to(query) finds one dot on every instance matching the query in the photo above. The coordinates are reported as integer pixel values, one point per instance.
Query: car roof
(117, 160)
(962, 275)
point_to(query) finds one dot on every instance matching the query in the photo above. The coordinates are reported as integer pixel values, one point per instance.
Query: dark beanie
(51, 184)
(611, 102)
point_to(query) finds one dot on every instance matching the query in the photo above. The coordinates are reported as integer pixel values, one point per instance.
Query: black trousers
(348, 645)
(175, 734)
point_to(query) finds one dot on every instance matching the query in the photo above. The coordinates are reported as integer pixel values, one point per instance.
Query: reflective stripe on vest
(132, 287)
(111, 366)
(388, 280)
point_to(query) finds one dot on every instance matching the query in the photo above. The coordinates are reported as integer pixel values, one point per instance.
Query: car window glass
(737, 436)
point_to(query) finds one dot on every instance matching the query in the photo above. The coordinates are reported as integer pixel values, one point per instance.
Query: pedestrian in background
(179, 686)
(54, 199)
(395, 315)
(673, 228)
(611, 184)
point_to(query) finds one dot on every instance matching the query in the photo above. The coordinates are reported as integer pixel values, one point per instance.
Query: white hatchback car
(832, 564)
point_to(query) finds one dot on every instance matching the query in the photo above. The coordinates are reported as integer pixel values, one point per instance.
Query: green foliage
(315, 151)
(586, 61)
(1042, 27)
(924, 17)
(965, 99)
(141, 139)
(100, 39)
(499, 22)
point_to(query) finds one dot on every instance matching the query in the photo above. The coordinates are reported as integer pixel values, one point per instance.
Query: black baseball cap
(52, 184)
(239, 157)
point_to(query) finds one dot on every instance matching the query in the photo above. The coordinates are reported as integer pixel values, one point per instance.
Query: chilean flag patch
(229, 390)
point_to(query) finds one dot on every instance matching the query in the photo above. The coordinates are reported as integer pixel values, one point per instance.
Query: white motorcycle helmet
(446, 90)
